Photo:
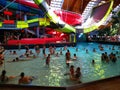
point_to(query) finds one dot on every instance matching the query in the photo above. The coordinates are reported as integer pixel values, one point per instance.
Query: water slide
(27, 3)
(16, 6)
(61, 25)
(70, 18)
(99, 15)
(20, 24)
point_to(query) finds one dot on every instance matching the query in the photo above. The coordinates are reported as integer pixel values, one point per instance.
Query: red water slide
(68, 17)
(27, 3)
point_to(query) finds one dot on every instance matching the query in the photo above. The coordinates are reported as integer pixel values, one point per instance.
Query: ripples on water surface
(54, 74)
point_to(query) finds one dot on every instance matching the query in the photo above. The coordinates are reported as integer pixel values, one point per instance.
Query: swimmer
(44, 51)
(14, 53)
(31, 53)
(93, 61)
(65, 48)
(48, 60)
(86, 50)
(72, 71)
(3, 77)
(94, 50)
(67, 55)
(25, 79)
(17, 59)
(57, 55)
(77, 74)
(10, 52)
(61, 53)
(37, 49)
(74, 57)
(1, 56)
(76, 49)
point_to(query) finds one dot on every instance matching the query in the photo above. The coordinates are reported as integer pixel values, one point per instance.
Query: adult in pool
(37, 49)
(77, 73)
(3, 77)
(48, 60)
(25, 79)
(68, 55)
(72, 71)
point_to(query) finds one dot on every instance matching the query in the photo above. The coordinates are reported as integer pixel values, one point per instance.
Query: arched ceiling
(75, 5)
(78, 6)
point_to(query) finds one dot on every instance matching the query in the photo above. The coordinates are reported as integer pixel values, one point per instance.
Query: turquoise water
(54, 74)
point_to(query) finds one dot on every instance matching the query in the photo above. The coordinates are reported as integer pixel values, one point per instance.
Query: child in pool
(74, 57)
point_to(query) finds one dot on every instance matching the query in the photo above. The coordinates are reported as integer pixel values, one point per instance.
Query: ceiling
(78, 6)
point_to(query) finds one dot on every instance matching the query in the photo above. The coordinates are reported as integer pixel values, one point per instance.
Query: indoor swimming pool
(54, 75)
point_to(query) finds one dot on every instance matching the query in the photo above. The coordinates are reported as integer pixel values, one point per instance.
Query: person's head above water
(22, 74)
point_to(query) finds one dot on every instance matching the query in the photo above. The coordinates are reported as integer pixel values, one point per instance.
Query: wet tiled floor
(54, 74)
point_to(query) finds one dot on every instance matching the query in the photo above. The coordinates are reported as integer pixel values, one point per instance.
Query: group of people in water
(28, 55)
(22, 78)
(105, 57)
(74, 74)
(111, 57)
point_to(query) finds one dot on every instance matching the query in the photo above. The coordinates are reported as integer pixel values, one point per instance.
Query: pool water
(54, 75)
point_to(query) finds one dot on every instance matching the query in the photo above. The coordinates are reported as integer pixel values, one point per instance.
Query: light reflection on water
(54, 74)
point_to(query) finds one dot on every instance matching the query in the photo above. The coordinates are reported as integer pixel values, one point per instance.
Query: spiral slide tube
(96, 26)
(20, 7)
(25, 24)
(62, 26)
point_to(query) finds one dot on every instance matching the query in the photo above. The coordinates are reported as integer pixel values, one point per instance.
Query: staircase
(88, 9)
(56, 4)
